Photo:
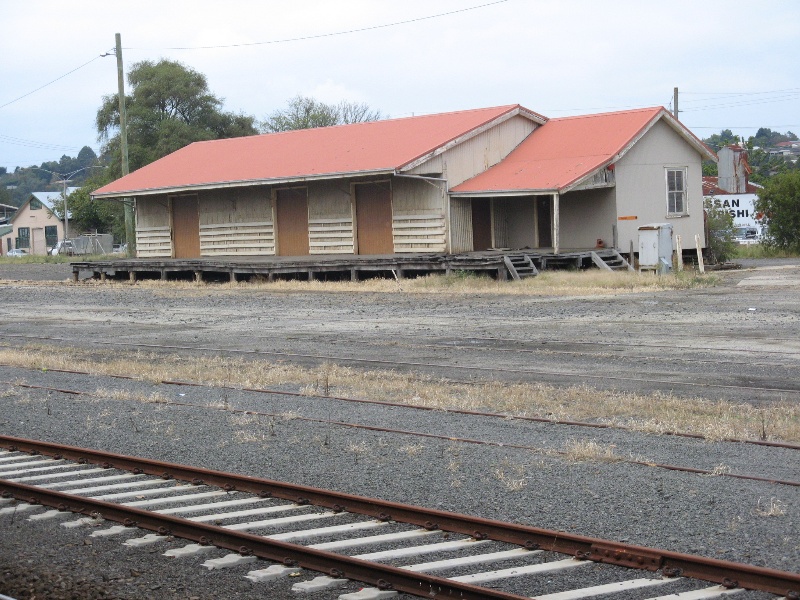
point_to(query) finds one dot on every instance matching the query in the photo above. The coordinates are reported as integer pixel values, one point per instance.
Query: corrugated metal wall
(460, 225)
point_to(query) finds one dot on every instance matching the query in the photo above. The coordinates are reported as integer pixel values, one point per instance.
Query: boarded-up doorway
(544, 221)
(374, 218)
(185, 227)
(481, 224)
(291, 215)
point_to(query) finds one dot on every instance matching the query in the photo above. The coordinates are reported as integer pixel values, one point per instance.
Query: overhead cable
(49, 83)
(337, 33)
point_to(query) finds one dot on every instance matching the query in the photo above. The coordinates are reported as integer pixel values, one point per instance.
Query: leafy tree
(308, 113)
(710, 168)
(721, 139)
(766, 138)
(779, 202)
(169, 107)
(719, 222)
(90, 216)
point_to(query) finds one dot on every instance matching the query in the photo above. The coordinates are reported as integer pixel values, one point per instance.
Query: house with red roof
(492, 178)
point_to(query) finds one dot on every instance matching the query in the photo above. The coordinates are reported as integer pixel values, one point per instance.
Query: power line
(49, 83)
(337, 33)
(745, 103)
(721, 127)
(7, 139)
(734, 94)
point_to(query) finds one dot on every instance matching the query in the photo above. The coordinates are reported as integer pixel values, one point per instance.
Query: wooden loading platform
(500, 264)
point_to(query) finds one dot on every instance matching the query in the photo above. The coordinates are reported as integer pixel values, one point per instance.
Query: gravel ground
(715, 516)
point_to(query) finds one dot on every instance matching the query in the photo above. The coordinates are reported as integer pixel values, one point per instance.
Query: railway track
(390, 546)
(425, 434)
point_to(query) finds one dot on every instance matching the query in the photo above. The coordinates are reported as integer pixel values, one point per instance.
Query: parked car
(746, 235)
(120, 248)
(63, 247)
(17, 252)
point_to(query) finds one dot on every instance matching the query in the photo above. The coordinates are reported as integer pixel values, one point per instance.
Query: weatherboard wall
(478, 153)
(153, 233)
(641, 188)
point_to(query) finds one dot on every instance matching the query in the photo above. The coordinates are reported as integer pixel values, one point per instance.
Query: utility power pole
(130, 229)
(675, 102)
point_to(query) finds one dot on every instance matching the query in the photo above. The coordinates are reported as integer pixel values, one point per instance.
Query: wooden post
(163, 274)
(74, 276)
(233, 276)
(556, 219)
(679, 252)
(353, 275)
(198, 277)
(700, 264)
(132, 276)
(102, 276)
(632, 258)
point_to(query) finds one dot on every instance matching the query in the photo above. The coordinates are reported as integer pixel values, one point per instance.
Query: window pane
(679, 181)
(51, 235)
(676, 191)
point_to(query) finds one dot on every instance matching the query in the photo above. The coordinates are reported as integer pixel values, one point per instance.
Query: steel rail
(474, 368)
(383, 576)
(725, 573)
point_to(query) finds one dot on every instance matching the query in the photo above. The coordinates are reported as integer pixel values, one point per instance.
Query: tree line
(764, 164)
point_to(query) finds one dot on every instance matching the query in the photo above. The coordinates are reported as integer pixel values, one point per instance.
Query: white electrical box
(655, 247)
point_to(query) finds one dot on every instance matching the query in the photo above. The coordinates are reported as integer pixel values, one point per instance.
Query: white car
(63, 247)
(17, 252)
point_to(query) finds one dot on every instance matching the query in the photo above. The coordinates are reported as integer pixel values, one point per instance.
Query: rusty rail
(725, 573)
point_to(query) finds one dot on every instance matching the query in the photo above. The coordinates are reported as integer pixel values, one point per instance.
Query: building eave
(504, 193)
(235, 184)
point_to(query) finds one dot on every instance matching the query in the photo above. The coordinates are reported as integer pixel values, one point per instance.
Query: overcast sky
(735, 62)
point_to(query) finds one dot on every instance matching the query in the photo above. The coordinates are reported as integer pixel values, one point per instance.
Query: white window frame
(673, 194)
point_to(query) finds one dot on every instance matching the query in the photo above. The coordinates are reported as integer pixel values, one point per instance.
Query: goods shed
(490, 179)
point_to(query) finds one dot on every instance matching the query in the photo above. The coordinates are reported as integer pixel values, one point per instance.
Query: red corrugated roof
(357, 148)
(564, 151)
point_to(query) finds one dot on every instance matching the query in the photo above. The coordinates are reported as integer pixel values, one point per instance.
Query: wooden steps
(520, 266)
(610, 260)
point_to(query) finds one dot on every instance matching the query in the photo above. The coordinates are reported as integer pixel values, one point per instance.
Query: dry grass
(412, 449)
(654, 413)
(773, 508)
(510, 475)
(589, 450)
